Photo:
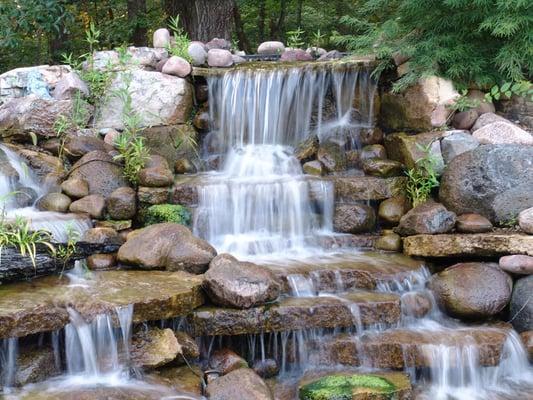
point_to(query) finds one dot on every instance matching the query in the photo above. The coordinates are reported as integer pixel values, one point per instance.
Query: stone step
(347, 188)
(400, 348)
(351, 269)
(293, 313)
(41, 305)
(462, 245)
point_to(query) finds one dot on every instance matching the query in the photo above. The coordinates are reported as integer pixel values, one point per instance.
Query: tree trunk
(137, 18)
(261, 20)
(244, 44)
(299, 13)
(203, 19)
(280, 29)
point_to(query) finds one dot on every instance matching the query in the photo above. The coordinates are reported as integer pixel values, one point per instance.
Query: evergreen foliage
(472, 42)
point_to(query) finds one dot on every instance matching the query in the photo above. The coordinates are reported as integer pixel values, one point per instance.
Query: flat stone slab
(460, 245)
(363, 269)
(41, 305)
(400, 348)
(293, 313)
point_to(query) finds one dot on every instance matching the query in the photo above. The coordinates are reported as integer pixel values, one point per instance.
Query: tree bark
(261, 20)
(203, 19)
(244, 44)
(136, 17)
(280, 28)
(299, 13)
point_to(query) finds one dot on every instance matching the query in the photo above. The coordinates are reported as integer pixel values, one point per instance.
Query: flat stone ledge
(41, 305)
(461, 245)
(356, 188)
(294, 313)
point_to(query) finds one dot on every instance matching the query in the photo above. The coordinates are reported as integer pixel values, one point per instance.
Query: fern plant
(294, 38)
(422, 178)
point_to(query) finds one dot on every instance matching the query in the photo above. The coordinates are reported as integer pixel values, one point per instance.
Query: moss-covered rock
(159, 213)
(348, 387)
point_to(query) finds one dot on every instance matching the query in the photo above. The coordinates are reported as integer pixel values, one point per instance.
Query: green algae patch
(348, 387)
(160, 213)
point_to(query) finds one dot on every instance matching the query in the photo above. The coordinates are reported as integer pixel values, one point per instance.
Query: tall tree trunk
(280, 29)
(239, 29)
(299, 13)
(203, 19)
(137, 18)
(261, 20)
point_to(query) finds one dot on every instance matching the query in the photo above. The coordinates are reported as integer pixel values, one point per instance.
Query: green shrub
(422, 178)
(341, 387)
(165, 213)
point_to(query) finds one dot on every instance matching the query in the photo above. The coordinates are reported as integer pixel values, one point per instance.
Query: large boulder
(100, 171)
(219, 58)
(177, 66)
(492, 180)
(242, 384)
(517, 264)
(23, 116)
(354, 218)
(420, 108)
(502, 132)
(122, 203)
(426, 218)
(197, 53)
(70, 86)
(293, 55)
(472, 290)
(234, 283)
(172, 142)
(58, 202)
(225, 360)
(157, 98)
(154, 347)
(161, 38)
(77, 146)
(167, 246)
(455, 143)
(332, 156)
(521, 304)
(94, 205)
(271, 48)
(75, 187)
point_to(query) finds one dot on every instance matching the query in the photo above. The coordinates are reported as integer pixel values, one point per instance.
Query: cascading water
(19, 181)
(260, 202)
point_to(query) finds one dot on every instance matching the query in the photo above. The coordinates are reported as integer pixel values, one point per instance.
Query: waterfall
(260, 202)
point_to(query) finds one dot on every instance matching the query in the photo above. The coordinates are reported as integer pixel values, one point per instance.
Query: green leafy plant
(165, 213)
(464, 103)
(19, 234)
(508, 89)
(294, 38)
(180, 45)
(422, 178)
(64, 252)
(318, 39)
(509, 223)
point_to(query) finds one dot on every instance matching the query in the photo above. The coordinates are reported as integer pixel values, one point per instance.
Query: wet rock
(162, 141)
(354, 218)
(184, 166)
(463, 245)
(54, 202)
(377, 386)
(373, 151)
(35, 365)
(101, 236)
(330, 55)
(77, 146)
(185, 380)
(472, 290)
(517, 264)
(427, 218)
(153, 347)
(161, 38)
(525, 220)
(369, 136)
(99, 170)
(502, 133)
(492, 180)
(242, 384)
(69, 87)
(271, 48)
(352, 159)
(307, 149)
(218, 43)
(313, 168)
(94, 205)
(101, 262)
(168, 100)
(25, 196)
(197, 53)
(527, 339)
(415, 304)
(392, 210)
(189, 348)
(382, 168)
(177, 66)
(122, 203)
(354, 188)
(457, 142)
(420, 108)
(219, 58)
(234, 283)
(168, 246)
(293, 55)
(201, 120)
(116, 225)
(389, 241)
(225, 360)
(150, 195)
(41, 164)
(465, 119)
(332, 156)
(521, 310)
(267, 368)
(472, 223)
(156, 177)
(75, 187)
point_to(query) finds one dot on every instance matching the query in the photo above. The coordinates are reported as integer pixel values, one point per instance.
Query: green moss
(341, 387)
(165, 213)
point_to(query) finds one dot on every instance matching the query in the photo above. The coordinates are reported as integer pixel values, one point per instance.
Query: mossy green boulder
(350, 387)
(160, 213)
